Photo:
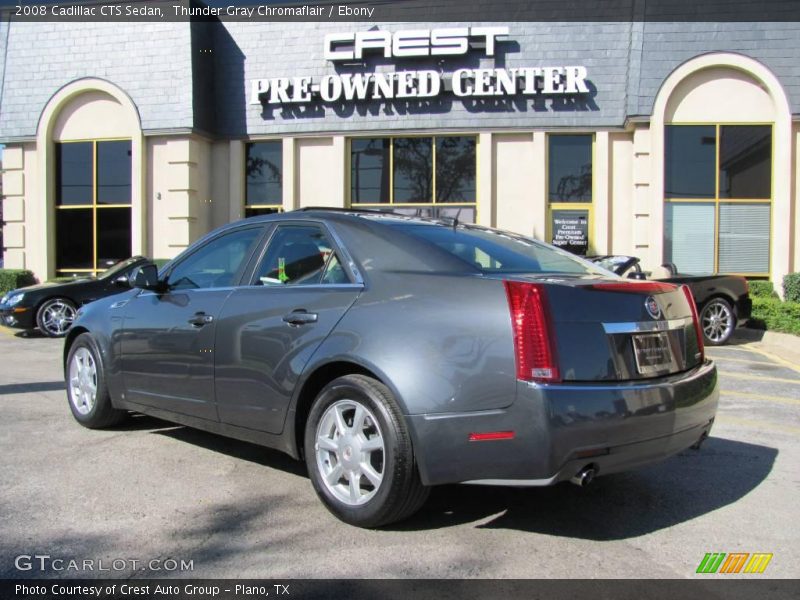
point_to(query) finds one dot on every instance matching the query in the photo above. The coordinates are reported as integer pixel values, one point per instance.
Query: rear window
(494, 251)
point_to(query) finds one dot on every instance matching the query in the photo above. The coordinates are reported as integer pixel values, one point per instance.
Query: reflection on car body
(723, 301)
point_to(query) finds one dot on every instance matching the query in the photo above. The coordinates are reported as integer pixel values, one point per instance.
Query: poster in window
(571, 230)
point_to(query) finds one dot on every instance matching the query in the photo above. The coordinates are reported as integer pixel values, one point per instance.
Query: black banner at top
(404, 10)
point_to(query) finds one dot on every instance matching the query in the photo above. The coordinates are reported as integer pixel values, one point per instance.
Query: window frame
(353, 274)
(556, 206)
(277, 208)
(94, 206)
(387, 206)
(716, 200)
(244, 269)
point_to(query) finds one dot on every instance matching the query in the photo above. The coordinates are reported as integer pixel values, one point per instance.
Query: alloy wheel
(57, 317)
(717, 321)
(350, 452)
(83, 381)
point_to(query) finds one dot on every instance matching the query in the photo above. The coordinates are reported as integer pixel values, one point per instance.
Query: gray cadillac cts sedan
(395, 353)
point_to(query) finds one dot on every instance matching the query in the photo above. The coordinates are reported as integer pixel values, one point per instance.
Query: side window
(334, 272)
(216, 264)
(299, 255)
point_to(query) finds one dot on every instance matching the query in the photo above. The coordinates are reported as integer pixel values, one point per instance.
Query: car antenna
(455, 219)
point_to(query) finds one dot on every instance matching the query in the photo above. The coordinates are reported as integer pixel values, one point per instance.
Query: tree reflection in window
(745, 161)
(412, 175)
(570, 168)
(455, 169)
(413, 170)
(264, 175)
(369, 170)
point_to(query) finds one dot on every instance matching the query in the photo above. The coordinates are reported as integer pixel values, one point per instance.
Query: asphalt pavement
(152, 495)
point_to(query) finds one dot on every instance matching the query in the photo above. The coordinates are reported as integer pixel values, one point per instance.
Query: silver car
(393, 354)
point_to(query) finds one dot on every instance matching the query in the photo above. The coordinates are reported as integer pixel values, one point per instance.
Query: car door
(268, 330)
(168, 337)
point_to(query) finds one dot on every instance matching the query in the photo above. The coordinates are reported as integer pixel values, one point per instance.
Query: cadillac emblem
(653, 309)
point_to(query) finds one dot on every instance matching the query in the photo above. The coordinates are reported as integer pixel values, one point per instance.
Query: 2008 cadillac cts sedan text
(394, 353)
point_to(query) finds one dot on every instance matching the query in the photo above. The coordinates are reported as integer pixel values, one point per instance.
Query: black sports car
(723, 301)
(52, 306)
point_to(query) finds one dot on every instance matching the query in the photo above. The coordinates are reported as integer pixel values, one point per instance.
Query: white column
(237, 176)
(14, 213)
(538, 186)
(485, 182)
(289, 175)
(601, 200)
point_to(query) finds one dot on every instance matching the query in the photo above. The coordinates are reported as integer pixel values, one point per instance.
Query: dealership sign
(355, 48)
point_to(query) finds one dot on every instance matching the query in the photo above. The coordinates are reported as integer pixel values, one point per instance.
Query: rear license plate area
(653, 353)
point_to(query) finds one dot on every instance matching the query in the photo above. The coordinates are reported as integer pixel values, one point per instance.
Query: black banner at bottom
(405, 589)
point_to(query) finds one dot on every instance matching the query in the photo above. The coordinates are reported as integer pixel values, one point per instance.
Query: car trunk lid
(593, 329)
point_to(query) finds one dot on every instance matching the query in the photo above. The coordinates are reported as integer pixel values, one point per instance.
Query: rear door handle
(300, 317)
(199, 319)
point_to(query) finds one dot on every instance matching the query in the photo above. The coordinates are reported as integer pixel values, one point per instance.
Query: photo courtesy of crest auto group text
(412, 297)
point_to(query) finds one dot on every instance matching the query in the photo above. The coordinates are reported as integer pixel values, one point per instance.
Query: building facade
(674, 142)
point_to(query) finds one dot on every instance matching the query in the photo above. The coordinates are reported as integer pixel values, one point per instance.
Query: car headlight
(13, 299)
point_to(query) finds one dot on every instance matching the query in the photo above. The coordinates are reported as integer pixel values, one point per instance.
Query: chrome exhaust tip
(583, 477)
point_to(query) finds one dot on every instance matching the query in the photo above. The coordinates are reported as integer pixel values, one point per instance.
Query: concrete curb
(784, 345)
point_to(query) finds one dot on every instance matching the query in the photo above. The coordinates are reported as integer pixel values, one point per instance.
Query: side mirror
(637, 275)
(146, 277)
(122, 281)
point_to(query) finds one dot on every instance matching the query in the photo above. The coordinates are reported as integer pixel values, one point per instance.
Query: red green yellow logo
(734, 562)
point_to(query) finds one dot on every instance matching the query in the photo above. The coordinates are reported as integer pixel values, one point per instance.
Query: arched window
(90, 168)
(93, 204)
(718, 194)
(721, 139)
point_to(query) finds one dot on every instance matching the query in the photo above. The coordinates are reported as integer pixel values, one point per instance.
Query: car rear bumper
(744, 309)
(561, 429)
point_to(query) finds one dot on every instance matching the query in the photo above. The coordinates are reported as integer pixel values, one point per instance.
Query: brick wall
(248, 51)
(149, 62)
(665, 46)
(189, 75)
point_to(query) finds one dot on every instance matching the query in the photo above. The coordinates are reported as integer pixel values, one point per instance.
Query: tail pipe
(583, 477)
(698, 443)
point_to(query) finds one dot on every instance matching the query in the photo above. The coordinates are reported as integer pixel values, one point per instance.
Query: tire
(55, 316)
(87, 393)
(717, 321)
(375, 444)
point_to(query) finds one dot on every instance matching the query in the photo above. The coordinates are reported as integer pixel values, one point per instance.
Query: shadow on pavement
(243, 450)
(30, 334)
(139, 422)
(615, 507)
(745, 335)
(36, 386)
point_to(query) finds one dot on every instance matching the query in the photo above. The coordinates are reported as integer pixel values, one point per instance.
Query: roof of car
(348, 214)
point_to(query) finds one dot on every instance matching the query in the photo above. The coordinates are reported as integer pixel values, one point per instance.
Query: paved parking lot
(155, 491)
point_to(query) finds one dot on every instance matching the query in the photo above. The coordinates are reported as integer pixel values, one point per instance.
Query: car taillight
(695, 317)
(534, 348)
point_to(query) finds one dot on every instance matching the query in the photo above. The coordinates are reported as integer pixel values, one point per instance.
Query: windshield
(494, 251)
(118, 268)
